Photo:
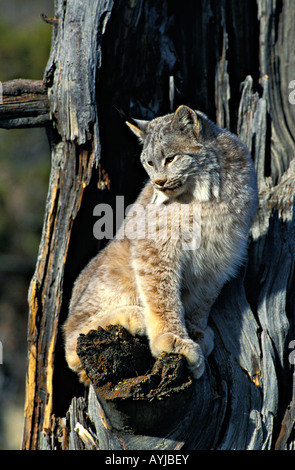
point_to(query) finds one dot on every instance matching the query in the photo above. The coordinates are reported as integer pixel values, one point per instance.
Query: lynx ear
(140, 129)
(185, 120)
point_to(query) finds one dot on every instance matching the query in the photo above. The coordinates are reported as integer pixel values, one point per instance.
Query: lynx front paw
(170, 343)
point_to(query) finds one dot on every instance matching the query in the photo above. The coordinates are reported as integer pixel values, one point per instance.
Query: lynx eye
(150, 163)
(169, 160)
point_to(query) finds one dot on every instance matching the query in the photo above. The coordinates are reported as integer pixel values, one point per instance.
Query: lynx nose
(160, 181)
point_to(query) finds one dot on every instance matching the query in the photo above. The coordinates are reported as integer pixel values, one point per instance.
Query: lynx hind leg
(205, 338)
(207, 344)
(171, 343)
(73, 359)
(129, 316)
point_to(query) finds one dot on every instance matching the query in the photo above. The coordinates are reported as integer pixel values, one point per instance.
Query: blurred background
(24, 172)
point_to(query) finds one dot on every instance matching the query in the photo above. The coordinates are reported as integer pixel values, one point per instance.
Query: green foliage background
(24, 154)
(24, 50)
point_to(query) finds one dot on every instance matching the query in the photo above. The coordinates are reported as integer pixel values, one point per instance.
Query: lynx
(160, 286)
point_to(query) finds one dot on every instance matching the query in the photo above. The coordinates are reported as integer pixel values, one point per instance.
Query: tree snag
(234, 61)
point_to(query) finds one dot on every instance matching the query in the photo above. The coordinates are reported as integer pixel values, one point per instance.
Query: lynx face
(176, 155)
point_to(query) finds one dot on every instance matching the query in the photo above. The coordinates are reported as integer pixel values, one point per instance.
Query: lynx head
(177, 154)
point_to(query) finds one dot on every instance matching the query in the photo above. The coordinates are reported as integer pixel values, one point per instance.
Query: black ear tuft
(185, 120)
(139, 129)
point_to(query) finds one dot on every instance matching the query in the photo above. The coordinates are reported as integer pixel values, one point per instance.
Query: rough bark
(74, 152)
(227, 59)
(136, 392)
(24, 104)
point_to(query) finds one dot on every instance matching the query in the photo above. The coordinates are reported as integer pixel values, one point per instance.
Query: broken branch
(24, 103)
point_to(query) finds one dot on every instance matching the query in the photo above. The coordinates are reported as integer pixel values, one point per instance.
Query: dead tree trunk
(234, 61)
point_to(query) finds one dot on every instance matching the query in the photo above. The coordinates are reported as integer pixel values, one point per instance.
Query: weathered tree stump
(141, 399)
(137, 393)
